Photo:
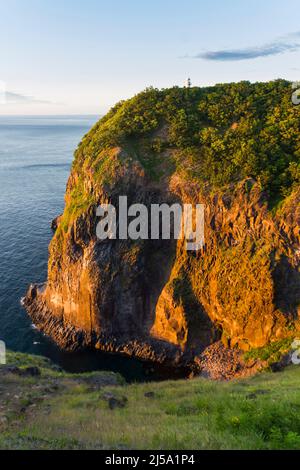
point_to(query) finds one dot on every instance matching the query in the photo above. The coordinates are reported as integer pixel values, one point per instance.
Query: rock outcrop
(55, 223)
(152, 298)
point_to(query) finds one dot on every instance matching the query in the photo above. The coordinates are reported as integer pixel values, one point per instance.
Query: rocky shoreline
(67, 337)
(216, 361)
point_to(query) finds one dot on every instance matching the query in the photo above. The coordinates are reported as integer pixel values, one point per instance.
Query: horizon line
(52, 115)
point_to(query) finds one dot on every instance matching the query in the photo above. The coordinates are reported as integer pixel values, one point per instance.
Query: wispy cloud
(16, 98)
(288, 43)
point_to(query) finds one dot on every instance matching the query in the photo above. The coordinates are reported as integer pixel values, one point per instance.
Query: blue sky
(81, 56)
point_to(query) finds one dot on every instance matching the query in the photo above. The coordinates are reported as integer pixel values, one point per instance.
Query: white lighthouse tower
(188, 83)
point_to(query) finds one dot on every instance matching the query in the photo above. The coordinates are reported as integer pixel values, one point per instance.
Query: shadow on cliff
(287, 287)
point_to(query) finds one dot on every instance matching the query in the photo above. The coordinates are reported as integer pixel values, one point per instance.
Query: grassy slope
(59, 410)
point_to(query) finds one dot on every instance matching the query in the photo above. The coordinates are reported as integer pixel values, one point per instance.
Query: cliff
(234, 148)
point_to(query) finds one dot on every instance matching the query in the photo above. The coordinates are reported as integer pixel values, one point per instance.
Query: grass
(262, 412)
(272, 352)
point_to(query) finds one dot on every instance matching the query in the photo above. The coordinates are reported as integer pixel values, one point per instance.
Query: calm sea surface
(35, 158)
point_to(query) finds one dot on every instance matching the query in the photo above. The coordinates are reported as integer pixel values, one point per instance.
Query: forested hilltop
(221, 134)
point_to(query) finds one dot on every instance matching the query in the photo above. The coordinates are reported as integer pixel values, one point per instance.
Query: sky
(82, 56)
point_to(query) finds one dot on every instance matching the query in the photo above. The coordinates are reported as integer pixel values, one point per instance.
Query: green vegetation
(78, 204)
(61, 411)
(272, 352)
(50, 370)
(218, 134)
(214, 135)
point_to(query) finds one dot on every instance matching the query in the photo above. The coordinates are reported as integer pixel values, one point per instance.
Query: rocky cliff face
(153, 299)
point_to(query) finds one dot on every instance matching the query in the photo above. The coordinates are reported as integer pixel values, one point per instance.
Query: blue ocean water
(35, 158)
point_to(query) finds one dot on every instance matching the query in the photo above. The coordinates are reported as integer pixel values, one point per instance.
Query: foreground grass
(70, 412)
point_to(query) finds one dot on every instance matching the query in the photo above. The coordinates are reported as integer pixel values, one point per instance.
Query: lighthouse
(188, 83)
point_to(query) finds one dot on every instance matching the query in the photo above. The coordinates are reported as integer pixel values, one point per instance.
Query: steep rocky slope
(153, 299)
